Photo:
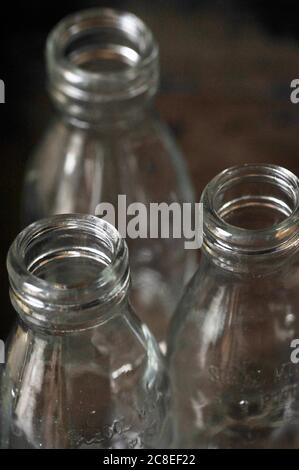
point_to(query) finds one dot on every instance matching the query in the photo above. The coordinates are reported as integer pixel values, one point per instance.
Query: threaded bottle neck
(101, 63)
(251, 217)
(68, 272)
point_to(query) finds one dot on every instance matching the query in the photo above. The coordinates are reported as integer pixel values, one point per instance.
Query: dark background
(225, 86)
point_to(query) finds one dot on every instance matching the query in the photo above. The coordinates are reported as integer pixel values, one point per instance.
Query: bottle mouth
(65, 268)
(101, 56)
(251, 210)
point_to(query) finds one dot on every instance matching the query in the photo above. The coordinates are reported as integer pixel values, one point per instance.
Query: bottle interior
(254, 203)
(69, 259)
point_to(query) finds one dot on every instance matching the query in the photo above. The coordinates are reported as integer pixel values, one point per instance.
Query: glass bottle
(231, 350)
(81, 370)
(106, 141)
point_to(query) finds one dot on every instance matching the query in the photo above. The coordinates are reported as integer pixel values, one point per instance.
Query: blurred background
(226, 68)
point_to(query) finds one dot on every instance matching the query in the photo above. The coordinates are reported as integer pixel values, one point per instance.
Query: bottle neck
(125, 119)
(102, 65)
(251, 219)
(68, 273)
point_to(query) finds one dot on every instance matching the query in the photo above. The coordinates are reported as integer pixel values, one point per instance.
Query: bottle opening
(99, 57)
(69, 257)
(255, 201)
(103, 52)
(68, 265)
(251, 210)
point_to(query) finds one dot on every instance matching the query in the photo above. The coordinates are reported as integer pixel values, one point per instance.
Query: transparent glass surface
(81, 370)
(106, 140)
(234, 382)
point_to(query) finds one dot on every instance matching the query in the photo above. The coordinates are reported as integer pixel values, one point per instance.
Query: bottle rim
(277, 187)
(72, 84)
(60, 305)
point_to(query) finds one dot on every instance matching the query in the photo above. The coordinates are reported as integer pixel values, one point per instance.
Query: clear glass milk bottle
(106, 141)
(81, 370)
(235, 384)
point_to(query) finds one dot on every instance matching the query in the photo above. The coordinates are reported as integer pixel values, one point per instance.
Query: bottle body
(82, 390)
(233, 355)
(81, 370)
(232, 334)
(109, 143)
